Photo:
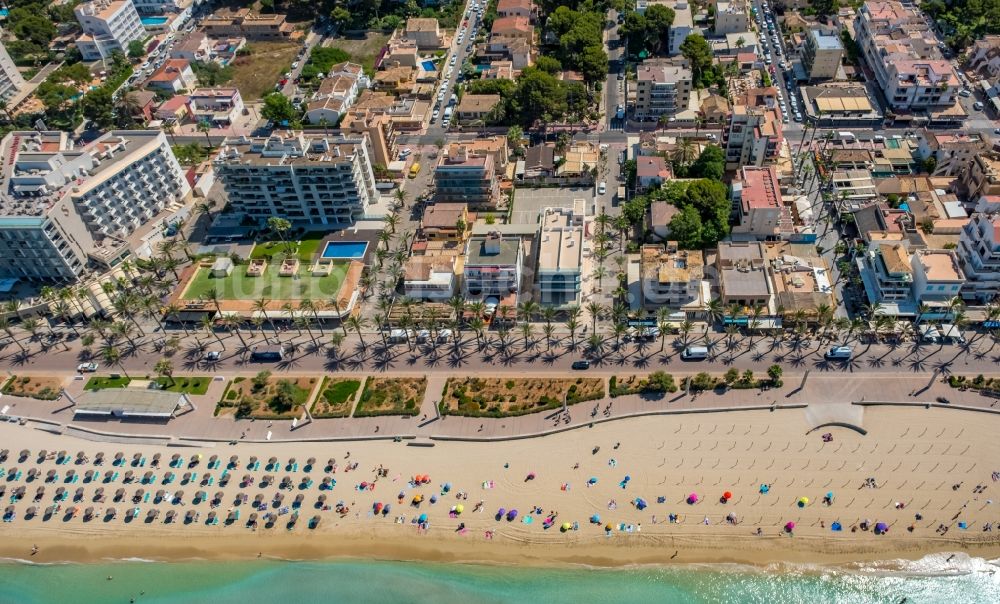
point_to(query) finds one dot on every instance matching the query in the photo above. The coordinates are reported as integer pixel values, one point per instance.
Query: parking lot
(529, 202)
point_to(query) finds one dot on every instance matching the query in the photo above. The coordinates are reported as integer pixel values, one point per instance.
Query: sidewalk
(202, 424)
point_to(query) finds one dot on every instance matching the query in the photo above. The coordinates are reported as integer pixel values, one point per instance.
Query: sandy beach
(926, 462)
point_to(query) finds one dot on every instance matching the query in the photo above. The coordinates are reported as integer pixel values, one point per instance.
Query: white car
(213, 355)
(602, 188)
(405, 153)
(87, 367)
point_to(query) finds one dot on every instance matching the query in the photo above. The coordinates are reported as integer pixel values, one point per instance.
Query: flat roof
(939, 265)
(128, 402)
(826, 41)
(562, 242)
(509, 248)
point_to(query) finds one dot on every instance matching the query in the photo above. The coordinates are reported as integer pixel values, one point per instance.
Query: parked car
(213, 355)
(87, 367)
(581, 365)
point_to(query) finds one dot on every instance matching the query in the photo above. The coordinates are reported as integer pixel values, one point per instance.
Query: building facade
(821, 54)
(671, 277)
(492, 266)
(731, 17)
(754, 134)
(108, 25)
(560, 256)
(11, 81)
(465, 178)
(900, 48)
(63, 208)
(662, 89)
(757, 200)
(979, 255)
(953, 152)
(313, 179)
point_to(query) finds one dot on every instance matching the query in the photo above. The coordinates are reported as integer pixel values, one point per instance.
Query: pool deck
(352, 236)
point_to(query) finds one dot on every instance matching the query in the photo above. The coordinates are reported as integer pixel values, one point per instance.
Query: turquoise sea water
(929, 580)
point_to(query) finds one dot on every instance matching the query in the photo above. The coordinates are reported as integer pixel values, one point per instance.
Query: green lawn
(238, 286)
(336, 397)
(98, 383)
(185, 384)
(307, 249)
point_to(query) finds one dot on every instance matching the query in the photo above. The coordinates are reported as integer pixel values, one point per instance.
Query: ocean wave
(27, 562)
(143, 560)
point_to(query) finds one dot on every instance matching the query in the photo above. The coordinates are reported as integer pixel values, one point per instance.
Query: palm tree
(113, 356)
(391, 221)
(204, 127)
(528, 309)
(549, 330)
(280, 227)
(233, 323)
(596, 311)
(261, 307)
(715, 310)
(357, 324)
(5, 326)
(599, 274)
(685, 329)
(572, 324)
(685, 152)
(208, 324)
(164, 368)
(595, 342)
(174, 310)
(400, 196)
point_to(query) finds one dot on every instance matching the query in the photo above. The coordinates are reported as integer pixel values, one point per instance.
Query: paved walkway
(202, 424)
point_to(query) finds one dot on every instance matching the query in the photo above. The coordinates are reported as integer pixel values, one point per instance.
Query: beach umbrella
(640, 504)
(99, 458)
(80, 455)
(156, 460)
(3, 455)
(49, 476)
(136, 459)
(119, 456)
(213, 459)
(434, 499)
(789, 526)
(32, 473)
(234, 460)
(272, 461)
(500, 513)
(109, 475)
(175, 458)
(153, 514)
(30, 513)
(41, 455)
(59, 492)
(69, 475)
(727, 495)
(206, 478)
(186, 477)
(147, 477)
(88, 513)
(99, 494)
(593, 480)
(195, 459)
(595, 519)
(459, 508)
(128, 476)
(39, 493)
(835, 526)
(189, 516)
(322, 498)
(311, 462)
(803, 502)
(530, 476)
(160, 494)
(24, 454)
(78, 495)
(218, 496)
(446, 487)
(422, 519)
(511, 515)
(607, 527)
(252, 520)
(119, 494)
(881, 528)
(829, 495)
(139, 493)
(210, 518)
(178, 496)
(692, 498)
(417, 499)
(110, 513)
(565, 526)
(278, 498)
(385, 510)
(314, 522)
(377, 507)
(88, 475)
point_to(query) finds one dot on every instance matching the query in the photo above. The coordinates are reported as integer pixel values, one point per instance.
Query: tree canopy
(278, 108)
(699, 54)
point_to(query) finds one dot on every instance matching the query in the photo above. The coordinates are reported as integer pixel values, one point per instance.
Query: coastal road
(980, 355)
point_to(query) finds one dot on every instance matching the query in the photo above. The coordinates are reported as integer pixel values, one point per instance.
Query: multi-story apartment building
(218, 106)
(226, 24)
(314, 179)
(887, 273)
(492, 265)
(821, 54)
(731, 17)
(937, 276)
(661, 89)
(61, 208)
(560, 256)
(465, 178)
(979, 255)
(983, 176)
(11, 81)
(516, 8)
(425, 32)
(758, 204)
(953, 152)
(754, 135)
(743, 275)
(670, 276)
(902, 51)
(985, 56)
(108, 25)
(430, 278)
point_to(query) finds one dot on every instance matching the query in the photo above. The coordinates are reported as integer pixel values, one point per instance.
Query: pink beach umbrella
(692, 498)
(789, 527)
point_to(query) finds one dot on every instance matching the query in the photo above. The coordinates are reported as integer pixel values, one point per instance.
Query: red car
(283, 81)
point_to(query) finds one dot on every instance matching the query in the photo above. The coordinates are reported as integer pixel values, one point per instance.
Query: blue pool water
(428, 65)
(4, 12)
(153, 20)
(345, 249)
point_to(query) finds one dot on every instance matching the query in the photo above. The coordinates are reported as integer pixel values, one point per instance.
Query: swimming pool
(153, 21)
(354, 250)
(428, 65)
